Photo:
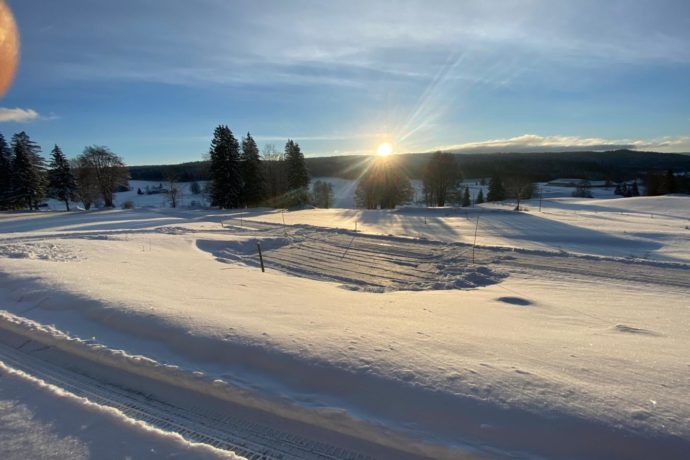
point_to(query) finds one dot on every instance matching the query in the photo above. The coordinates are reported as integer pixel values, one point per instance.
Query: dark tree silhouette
(61, 182)
(297, 174)
(226, 181)
(441, 179)
(480, 197)
(253, 187)
(28, 172)
(497, 191)
(384, 185)
(466, 200)
(108, 170)
(6, 196)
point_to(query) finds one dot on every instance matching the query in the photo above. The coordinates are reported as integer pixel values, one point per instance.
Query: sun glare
(384, 149)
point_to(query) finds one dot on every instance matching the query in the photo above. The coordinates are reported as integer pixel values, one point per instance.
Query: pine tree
(466, 200)
(635, 191)
(6, 198)
(226, 181)
(253, 190)
(61, 183)
(480, 197)
(669, 182)
(28, 170)
(297, 175)
(496, 190)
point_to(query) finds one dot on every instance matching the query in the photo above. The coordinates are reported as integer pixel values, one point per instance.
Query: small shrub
(128, 204)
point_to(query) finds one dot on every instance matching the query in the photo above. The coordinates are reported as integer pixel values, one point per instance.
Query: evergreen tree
(226, 181)
(466, 200)
(496, 190)
(297, 175)
(635, 191)
(28, 171)
(669, 182)
(480, 197)
(6, 197)
(61, 183)
(253, 190)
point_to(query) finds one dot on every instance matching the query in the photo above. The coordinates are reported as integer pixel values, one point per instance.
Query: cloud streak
(17, 115)
(536, 143)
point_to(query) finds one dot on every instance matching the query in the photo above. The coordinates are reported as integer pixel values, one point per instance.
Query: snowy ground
(40, 420)
(567, 338)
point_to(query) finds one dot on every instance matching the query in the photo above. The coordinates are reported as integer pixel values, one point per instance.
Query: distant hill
(614, 165)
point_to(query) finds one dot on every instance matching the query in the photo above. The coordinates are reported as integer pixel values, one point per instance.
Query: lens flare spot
(9, 47)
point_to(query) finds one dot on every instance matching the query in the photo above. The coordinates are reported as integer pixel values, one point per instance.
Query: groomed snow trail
(383, 263)
(247, 439)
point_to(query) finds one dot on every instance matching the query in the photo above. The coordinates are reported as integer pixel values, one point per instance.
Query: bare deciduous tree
(275, 174)
(174, 192)
(520, 188)
(108, 171)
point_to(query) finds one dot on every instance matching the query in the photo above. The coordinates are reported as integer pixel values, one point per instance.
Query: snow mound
(38, 251)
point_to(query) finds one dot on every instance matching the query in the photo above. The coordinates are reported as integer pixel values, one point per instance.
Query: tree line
(26, 180)
(240, 177)
(386, 184)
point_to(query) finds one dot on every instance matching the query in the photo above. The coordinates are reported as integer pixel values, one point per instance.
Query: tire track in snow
(248, 439)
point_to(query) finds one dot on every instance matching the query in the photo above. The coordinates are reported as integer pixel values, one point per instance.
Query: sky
(152, 78)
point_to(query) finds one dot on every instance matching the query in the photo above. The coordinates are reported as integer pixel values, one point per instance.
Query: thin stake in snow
(474, 244)
(541, 197)
(348, 247)
(261, 257)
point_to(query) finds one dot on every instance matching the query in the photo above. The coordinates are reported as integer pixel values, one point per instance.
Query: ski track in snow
(247, 439)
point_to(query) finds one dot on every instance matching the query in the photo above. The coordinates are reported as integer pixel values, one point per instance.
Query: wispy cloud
(17, 115)
(247, 42)
(536, 143)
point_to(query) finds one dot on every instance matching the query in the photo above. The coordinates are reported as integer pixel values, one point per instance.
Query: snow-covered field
(564, 334)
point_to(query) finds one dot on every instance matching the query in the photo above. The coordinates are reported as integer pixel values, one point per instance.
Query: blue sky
(152, 78)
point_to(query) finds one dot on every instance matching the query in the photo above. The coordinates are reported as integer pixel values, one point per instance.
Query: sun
(384, 149)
